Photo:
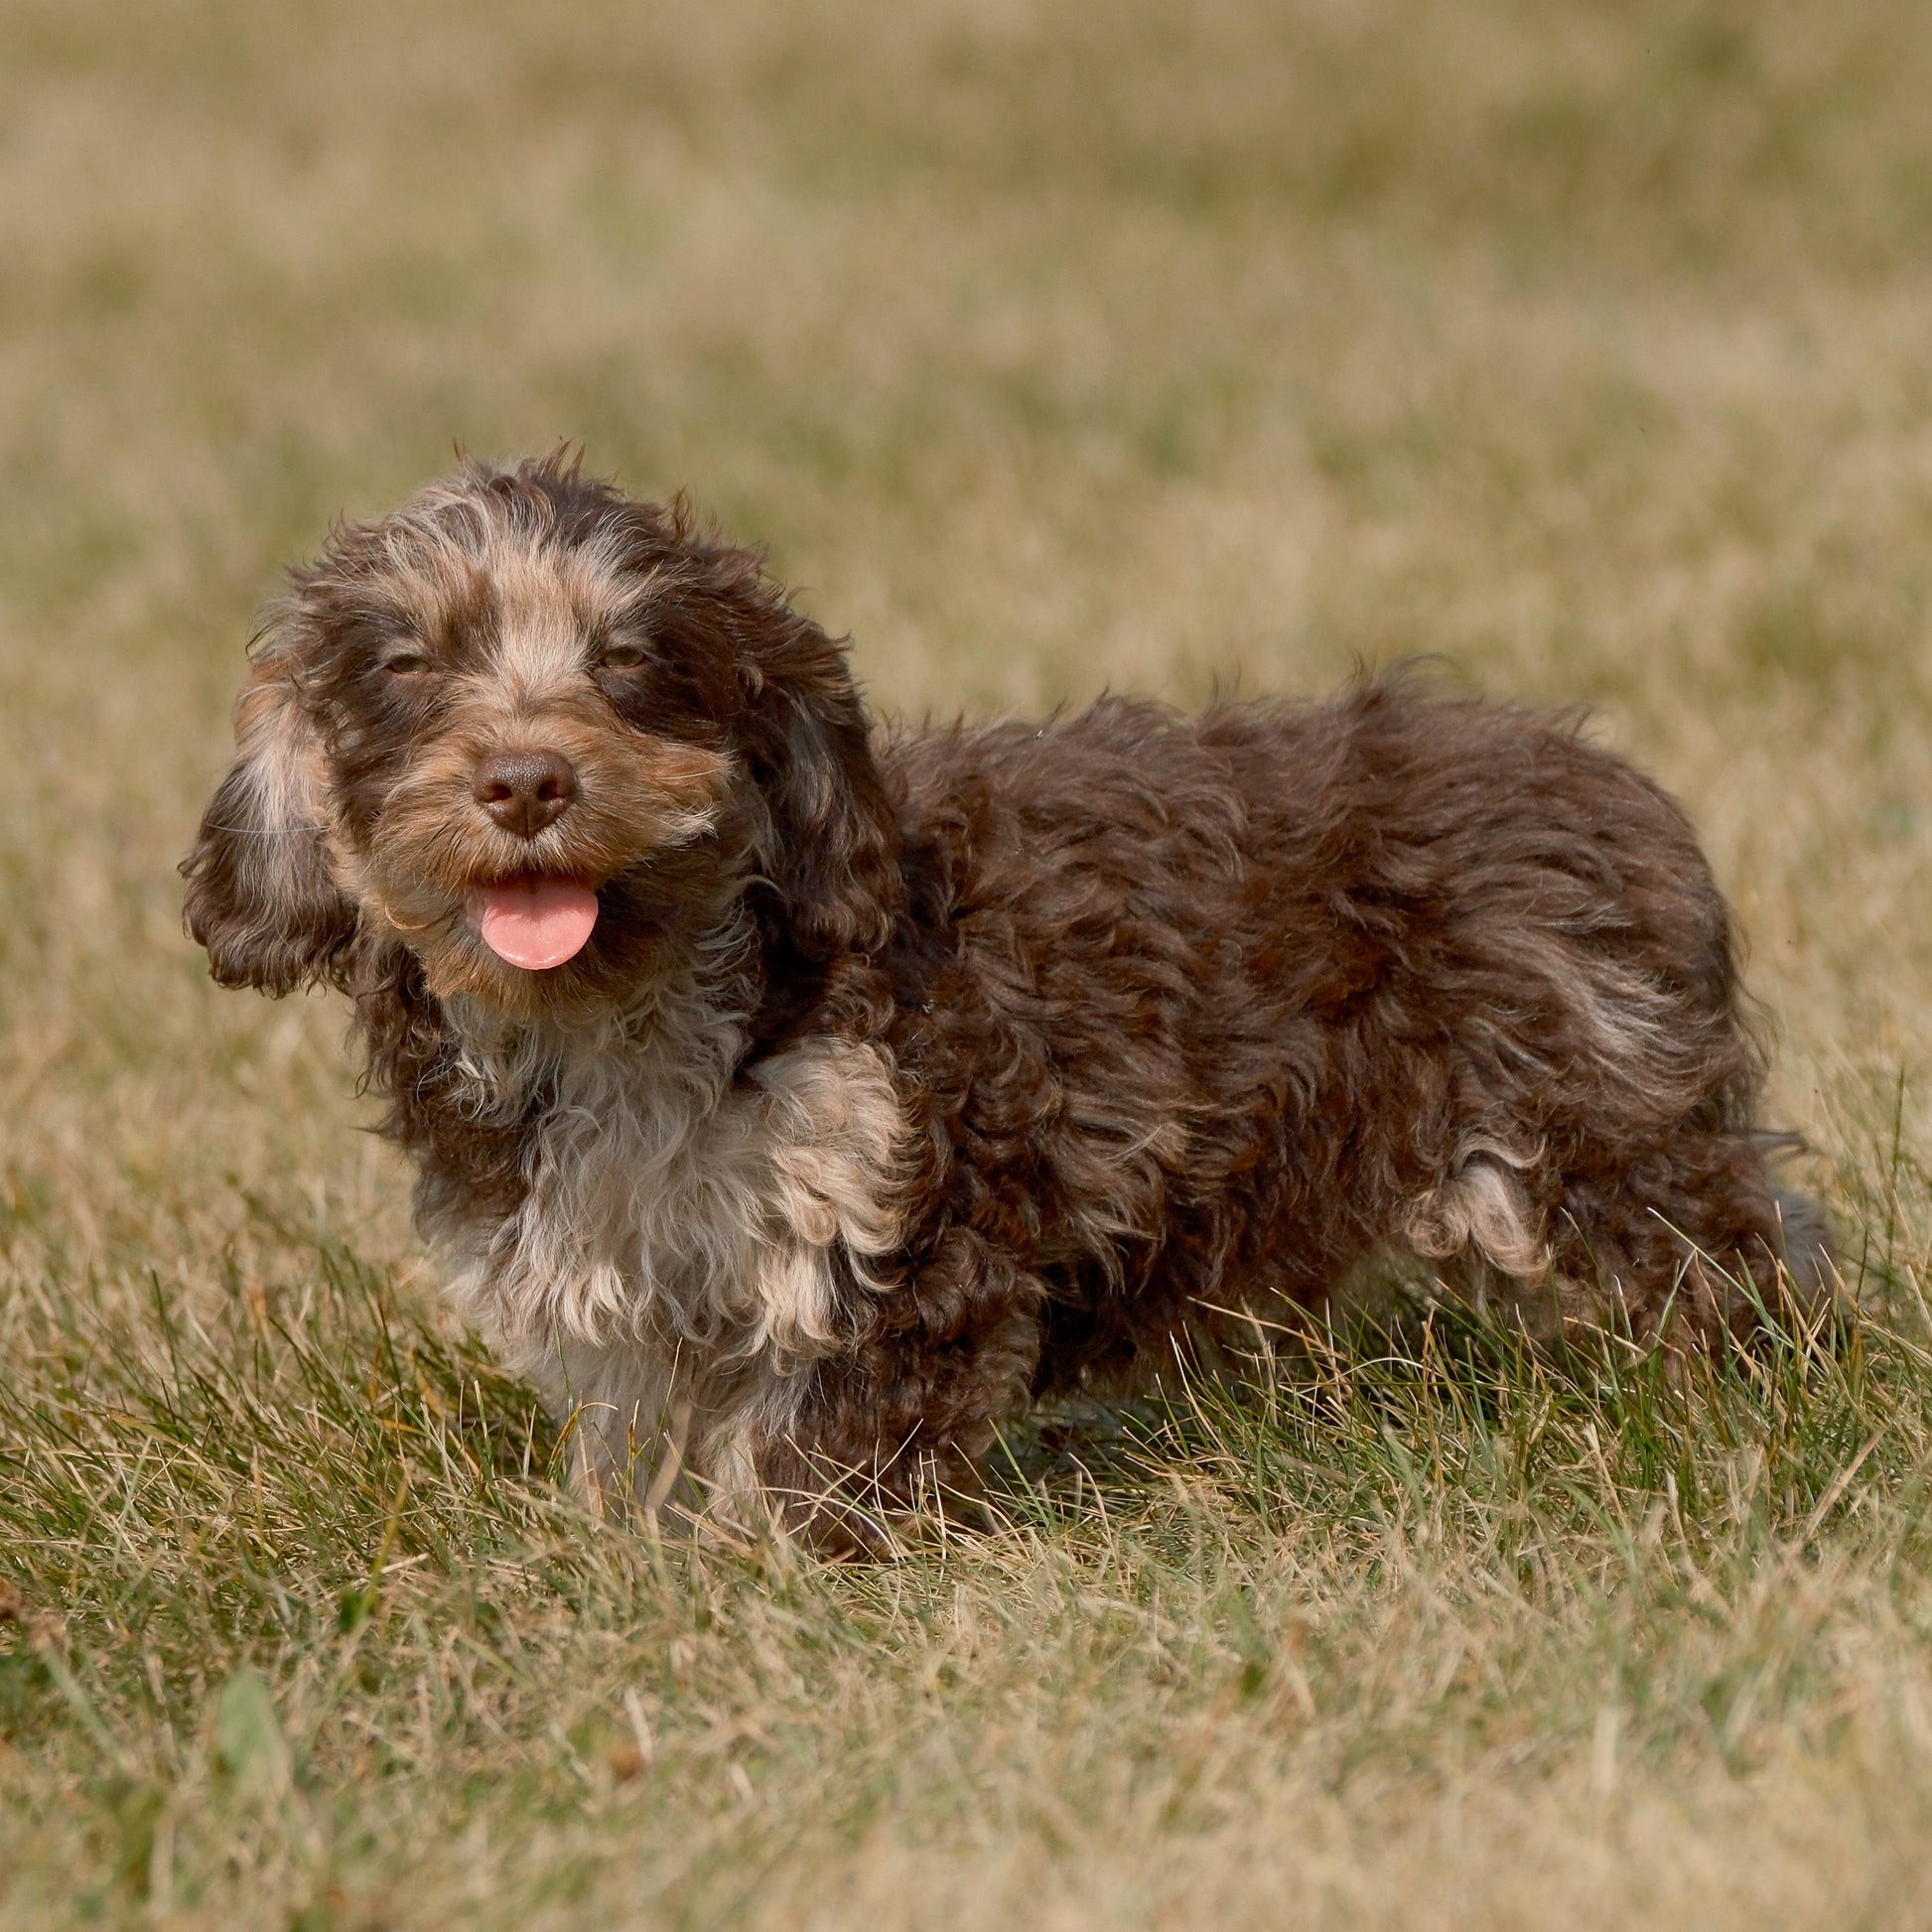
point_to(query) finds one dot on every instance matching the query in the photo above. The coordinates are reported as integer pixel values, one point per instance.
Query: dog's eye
(407, 663)
(619, 657)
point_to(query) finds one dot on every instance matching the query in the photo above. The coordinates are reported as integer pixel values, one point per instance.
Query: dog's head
(543, 735)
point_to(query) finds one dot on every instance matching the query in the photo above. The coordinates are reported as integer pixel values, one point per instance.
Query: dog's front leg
(628, 1428)
(895, 1428)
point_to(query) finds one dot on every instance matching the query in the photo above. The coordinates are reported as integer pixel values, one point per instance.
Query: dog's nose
(523, 791)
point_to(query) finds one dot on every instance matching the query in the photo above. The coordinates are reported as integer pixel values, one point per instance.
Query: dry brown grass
(1049, 347)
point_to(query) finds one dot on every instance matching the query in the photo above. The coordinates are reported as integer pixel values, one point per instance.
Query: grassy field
(1588, 345)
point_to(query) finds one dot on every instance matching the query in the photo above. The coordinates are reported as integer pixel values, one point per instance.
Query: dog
(796, 1100)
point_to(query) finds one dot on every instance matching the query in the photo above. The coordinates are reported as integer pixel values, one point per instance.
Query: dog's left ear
(260, 894)
(830, 847)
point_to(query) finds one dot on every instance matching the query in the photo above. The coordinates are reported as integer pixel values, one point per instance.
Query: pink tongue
(534, 923)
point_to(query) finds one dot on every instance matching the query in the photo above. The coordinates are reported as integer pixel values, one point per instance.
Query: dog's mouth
(533, 922)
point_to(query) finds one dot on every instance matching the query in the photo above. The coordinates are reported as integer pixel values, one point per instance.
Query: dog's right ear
(260, 894)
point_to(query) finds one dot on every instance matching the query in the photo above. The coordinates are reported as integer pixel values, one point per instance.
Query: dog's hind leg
(1691, 1240)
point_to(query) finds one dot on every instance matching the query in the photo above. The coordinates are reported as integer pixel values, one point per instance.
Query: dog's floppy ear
(830, 846)
(260, 896)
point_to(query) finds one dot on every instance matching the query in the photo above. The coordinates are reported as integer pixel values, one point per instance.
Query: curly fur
(908, 1076)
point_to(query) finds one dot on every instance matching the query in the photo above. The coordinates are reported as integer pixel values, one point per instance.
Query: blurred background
(1584, 345)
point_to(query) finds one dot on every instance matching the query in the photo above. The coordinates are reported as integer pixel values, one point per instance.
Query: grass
(1051, 348)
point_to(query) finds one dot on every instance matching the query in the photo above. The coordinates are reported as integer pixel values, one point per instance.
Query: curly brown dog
(794, 1102)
